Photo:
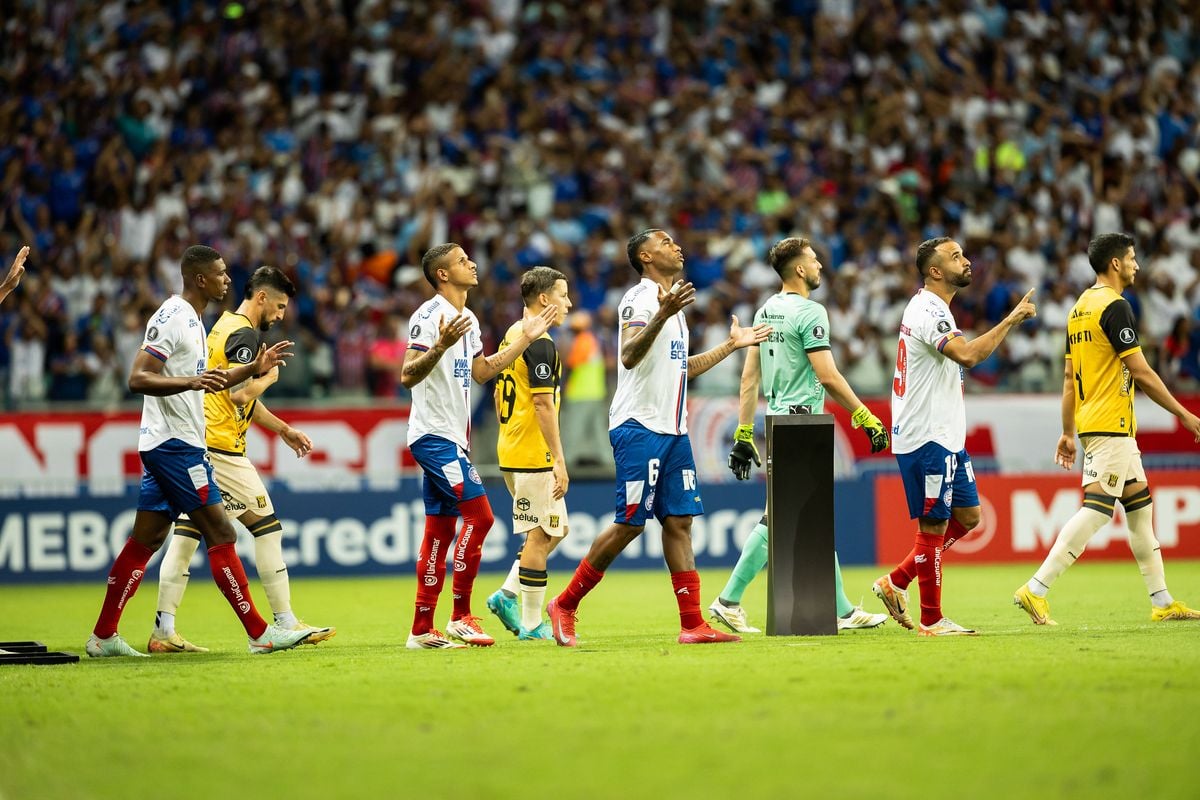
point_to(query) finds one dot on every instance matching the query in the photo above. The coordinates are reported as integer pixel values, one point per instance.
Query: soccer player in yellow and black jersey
(531, 457)
(1104, 362)
(235, 340)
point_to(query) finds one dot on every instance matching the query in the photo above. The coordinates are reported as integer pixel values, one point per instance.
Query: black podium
(800, 585)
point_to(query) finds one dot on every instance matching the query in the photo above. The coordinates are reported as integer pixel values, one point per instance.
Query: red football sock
(929, 576)
(905, 571)
(123, 581)
(583, 581)
(230, 576)
(431, 569)
(954, 532)
(477, 521)
(687, 595)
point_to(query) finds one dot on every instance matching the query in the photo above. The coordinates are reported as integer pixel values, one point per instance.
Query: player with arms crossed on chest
(445, 353)
(177, 477)
(656, 472)
(929, 430)
(235, 341)
(1104, 362)
(530, 455)
(795, 368)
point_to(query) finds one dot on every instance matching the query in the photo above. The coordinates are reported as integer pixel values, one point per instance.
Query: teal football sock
(844, 606)
(750, 563)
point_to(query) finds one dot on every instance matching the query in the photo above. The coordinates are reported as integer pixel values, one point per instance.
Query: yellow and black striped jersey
(521, 446)
(1100, 331)
(233, 341)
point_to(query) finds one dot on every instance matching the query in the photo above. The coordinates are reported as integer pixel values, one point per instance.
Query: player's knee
(969, 518)
(264, 526)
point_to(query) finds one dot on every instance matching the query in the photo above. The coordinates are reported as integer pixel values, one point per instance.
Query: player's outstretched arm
(1064, 452)
(977, 350)
(739, 337)
(484, 368)
(418, 364)
(295, 439)
(145, 377)
(15, 273)
(839, 389)
(1153, 387)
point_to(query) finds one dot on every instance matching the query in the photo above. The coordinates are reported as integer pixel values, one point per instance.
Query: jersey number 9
(900, 381)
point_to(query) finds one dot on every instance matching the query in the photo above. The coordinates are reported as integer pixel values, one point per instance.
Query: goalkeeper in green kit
(795, 368)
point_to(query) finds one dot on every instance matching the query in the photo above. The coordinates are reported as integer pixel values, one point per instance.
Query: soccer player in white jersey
(445, 352)
(647, 422)
(177, 477)
(929, 429)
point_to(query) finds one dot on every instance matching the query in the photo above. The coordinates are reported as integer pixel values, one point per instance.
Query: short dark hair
(1105, 247)
(266, 277)
(196, 258)
(785, 252)
(538, 280)
(926, 250)
(635, 246)
(432, 261)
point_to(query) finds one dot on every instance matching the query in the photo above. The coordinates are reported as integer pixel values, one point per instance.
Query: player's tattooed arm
(484, 368)
(418, 365)
(739, 337)
(636, 340)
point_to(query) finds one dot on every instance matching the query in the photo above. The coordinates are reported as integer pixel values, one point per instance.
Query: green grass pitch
(1104, 705)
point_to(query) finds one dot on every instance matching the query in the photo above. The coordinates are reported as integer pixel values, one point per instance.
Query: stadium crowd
(339, 140)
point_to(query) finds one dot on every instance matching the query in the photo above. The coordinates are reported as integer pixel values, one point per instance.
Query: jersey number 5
(506, 390)
(900, 381)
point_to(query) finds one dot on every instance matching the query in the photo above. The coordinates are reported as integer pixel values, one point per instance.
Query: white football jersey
(927, 389)
(175, 336)
(441, 403)
(655, 391)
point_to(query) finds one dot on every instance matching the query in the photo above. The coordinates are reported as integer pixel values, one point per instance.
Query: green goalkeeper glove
(872, 426)
(743, 452)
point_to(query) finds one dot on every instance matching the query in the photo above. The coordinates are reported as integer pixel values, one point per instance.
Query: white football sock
(532, 600)
(1147, 553)
(173, 577)
(272, 572)
(512, 583)
(164, 623)
(1037, 588)
(1071, 542)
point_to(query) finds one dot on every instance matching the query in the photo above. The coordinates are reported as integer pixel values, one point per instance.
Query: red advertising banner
(53, 454)
(1023, 514)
